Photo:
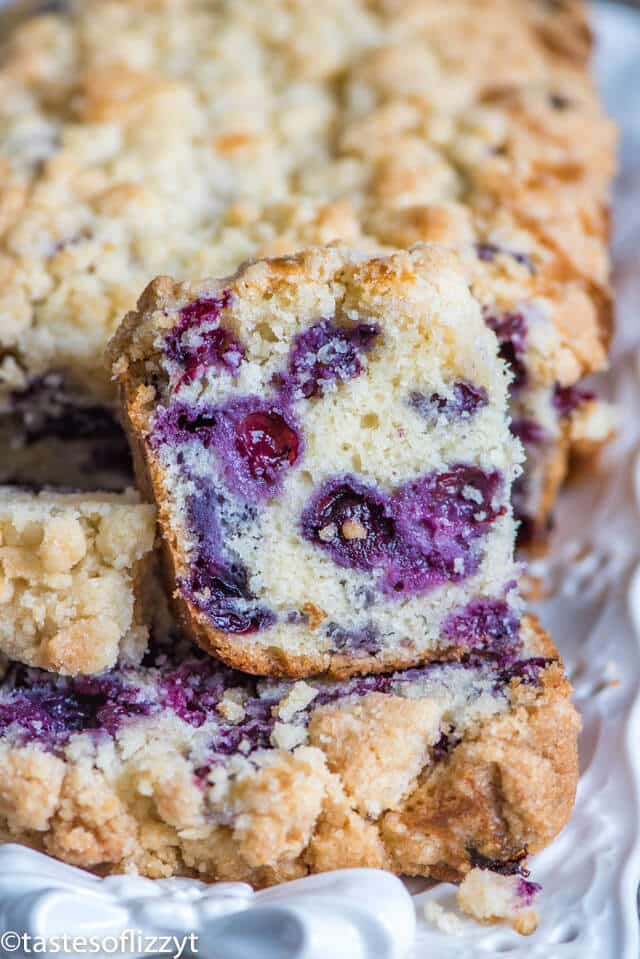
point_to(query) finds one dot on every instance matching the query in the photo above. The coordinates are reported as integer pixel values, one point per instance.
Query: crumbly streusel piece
(182, 766)
(72, 579)
(326, 438)
(491, 897)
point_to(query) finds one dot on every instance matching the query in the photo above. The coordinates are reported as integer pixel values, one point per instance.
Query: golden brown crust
(90, 825)
(491, 789)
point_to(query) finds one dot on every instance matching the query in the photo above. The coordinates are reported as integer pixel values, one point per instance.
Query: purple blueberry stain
(527, 671)
(325, 354)
(465, 400)
(218, 584)
(296, 617)
(192, 690)
(511, 331)
(440, 519)
(182, 423)
(330, 692)
(198, 342)
(36, 706)
(527, 892)
(488, 624)
(48, 408)
(254, 732)
(267, 443)
(357, 642)
(498, 676)
(176, 677)
(40, 706)
(425, 534)
(222, 592)
(529, 431)
(257, 440)
(444, 746)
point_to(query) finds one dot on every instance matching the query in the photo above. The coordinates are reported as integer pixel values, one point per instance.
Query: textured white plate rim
(630, 879)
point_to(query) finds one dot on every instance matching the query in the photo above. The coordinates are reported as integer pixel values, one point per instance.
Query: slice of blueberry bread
(326, 439)
(72, 579)
(182, 766)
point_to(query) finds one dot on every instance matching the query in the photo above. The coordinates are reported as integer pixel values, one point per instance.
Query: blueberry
(350, 521)
(422, 536)
(197, 342)
(528, 431)
(257, 441)
(488, 624)
(324, 354)
(567, 399)
(267, 444)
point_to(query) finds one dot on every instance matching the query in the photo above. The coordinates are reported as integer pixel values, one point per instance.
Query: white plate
(590, 874)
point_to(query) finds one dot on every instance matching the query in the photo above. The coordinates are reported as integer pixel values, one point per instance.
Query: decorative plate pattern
(369, 911)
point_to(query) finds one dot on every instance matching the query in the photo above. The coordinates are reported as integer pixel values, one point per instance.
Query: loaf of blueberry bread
(182, 767)
(73, 573)
(367, 121)
(326, 439)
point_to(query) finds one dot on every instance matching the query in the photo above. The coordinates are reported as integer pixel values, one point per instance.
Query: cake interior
(320, 453)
